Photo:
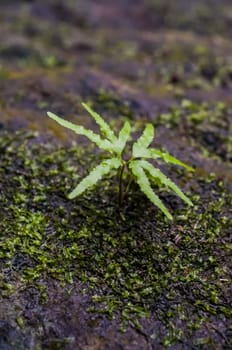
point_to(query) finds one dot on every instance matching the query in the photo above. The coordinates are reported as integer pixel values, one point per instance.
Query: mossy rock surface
(84, 274)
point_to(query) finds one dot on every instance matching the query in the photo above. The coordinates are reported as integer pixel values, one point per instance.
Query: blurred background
(142, 55)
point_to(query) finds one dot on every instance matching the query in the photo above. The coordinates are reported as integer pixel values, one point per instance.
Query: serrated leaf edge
(95, 175)
(145, 186)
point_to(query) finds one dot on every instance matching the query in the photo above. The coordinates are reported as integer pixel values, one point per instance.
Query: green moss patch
(133, 263)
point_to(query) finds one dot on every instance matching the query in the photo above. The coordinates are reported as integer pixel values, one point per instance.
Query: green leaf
(80, 130)
(144, 140)
(156, 173)
(104, 127)
(154, 153)
(95, 175)
(123, 137)
(168, 158)
(145, 186)
(141, 153)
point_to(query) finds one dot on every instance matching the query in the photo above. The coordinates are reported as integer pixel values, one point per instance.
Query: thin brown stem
(128, 185)
(120, 195)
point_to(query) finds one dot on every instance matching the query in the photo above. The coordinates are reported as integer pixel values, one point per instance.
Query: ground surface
(80, 275)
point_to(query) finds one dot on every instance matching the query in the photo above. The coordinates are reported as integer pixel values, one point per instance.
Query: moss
(110, 101)
(134, 263)
(171, 282)
(206, 124)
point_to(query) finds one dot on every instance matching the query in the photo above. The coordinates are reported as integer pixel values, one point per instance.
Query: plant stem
(128, 185)
(120, 195)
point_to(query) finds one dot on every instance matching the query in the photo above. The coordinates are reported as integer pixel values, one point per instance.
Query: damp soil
(84, 274)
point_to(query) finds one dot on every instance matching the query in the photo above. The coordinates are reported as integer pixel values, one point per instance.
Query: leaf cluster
(137, 168)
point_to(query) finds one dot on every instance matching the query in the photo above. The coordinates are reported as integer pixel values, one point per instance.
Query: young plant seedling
(136, 168)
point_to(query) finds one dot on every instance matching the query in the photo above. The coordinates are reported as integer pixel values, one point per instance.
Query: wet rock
(12, 338)
(16, 51)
